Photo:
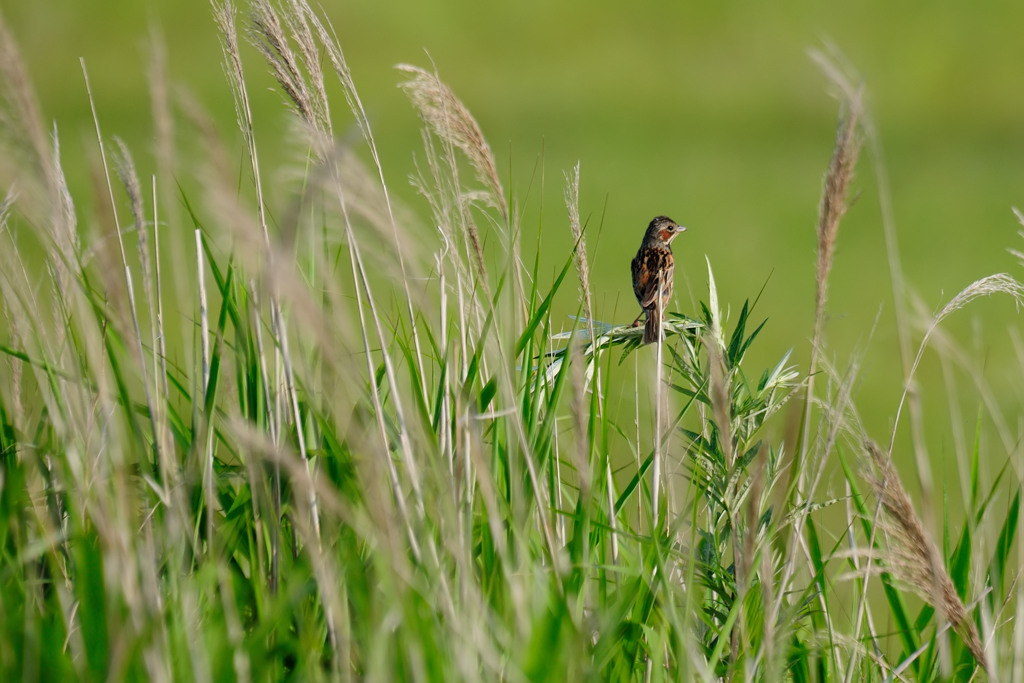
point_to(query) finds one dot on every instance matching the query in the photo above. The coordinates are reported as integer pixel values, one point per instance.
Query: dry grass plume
(913, 558)
(451, 121)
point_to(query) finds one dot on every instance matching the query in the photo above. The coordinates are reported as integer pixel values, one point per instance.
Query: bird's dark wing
(646, 267)
(641, 276)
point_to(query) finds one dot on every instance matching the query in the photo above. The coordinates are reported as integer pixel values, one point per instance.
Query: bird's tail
(652, 327)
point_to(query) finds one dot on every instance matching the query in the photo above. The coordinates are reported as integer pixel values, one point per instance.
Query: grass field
(712, 115)
(269, 410)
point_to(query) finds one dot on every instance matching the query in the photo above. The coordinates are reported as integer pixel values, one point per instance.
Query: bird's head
(663, 229)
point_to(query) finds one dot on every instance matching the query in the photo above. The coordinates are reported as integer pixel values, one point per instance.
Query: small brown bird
(653, 267)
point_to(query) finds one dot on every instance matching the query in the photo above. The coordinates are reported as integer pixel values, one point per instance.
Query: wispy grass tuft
(451, 122)
(831, 209)
(912, 557)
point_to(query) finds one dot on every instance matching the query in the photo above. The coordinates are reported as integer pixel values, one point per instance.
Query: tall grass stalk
(833, 206)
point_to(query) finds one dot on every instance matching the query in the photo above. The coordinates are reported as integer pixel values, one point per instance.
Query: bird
(653, 267)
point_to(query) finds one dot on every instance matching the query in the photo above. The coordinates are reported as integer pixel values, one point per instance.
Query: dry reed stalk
(267, 35)
(720, 402)
(999, 283)
(159, 338)
(311, 101)
(174, 250)
(209, 485)
(15, 369)
(581, 419)
(455, 127)
(27, 147)
(135, 194)
(769, 653)
(125, 168)
(636, 428)
(20, 115)
(1020, 219)
(832, 208)
(277, 274)
(224, 15)
(309, 24)
(839, 415)
(719, 395)
(364, 291)
(275, 541)
(913, 557)
(163, 120)
(451, 121)
(65, 223)
(1002, 414)
(445, 217)
(30, 163)
(659, 389)
(204, 318)
(20, 308)
(297, 20)
(364, 294)
(572, 205)
(444, 446)
(745, 563)
(337, 171)
(834, 196)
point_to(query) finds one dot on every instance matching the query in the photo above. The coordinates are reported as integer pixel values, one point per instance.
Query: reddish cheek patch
(666, 234)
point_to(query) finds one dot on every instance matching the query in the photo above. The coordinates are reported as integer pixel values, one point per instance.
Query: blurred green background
(711, 113)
